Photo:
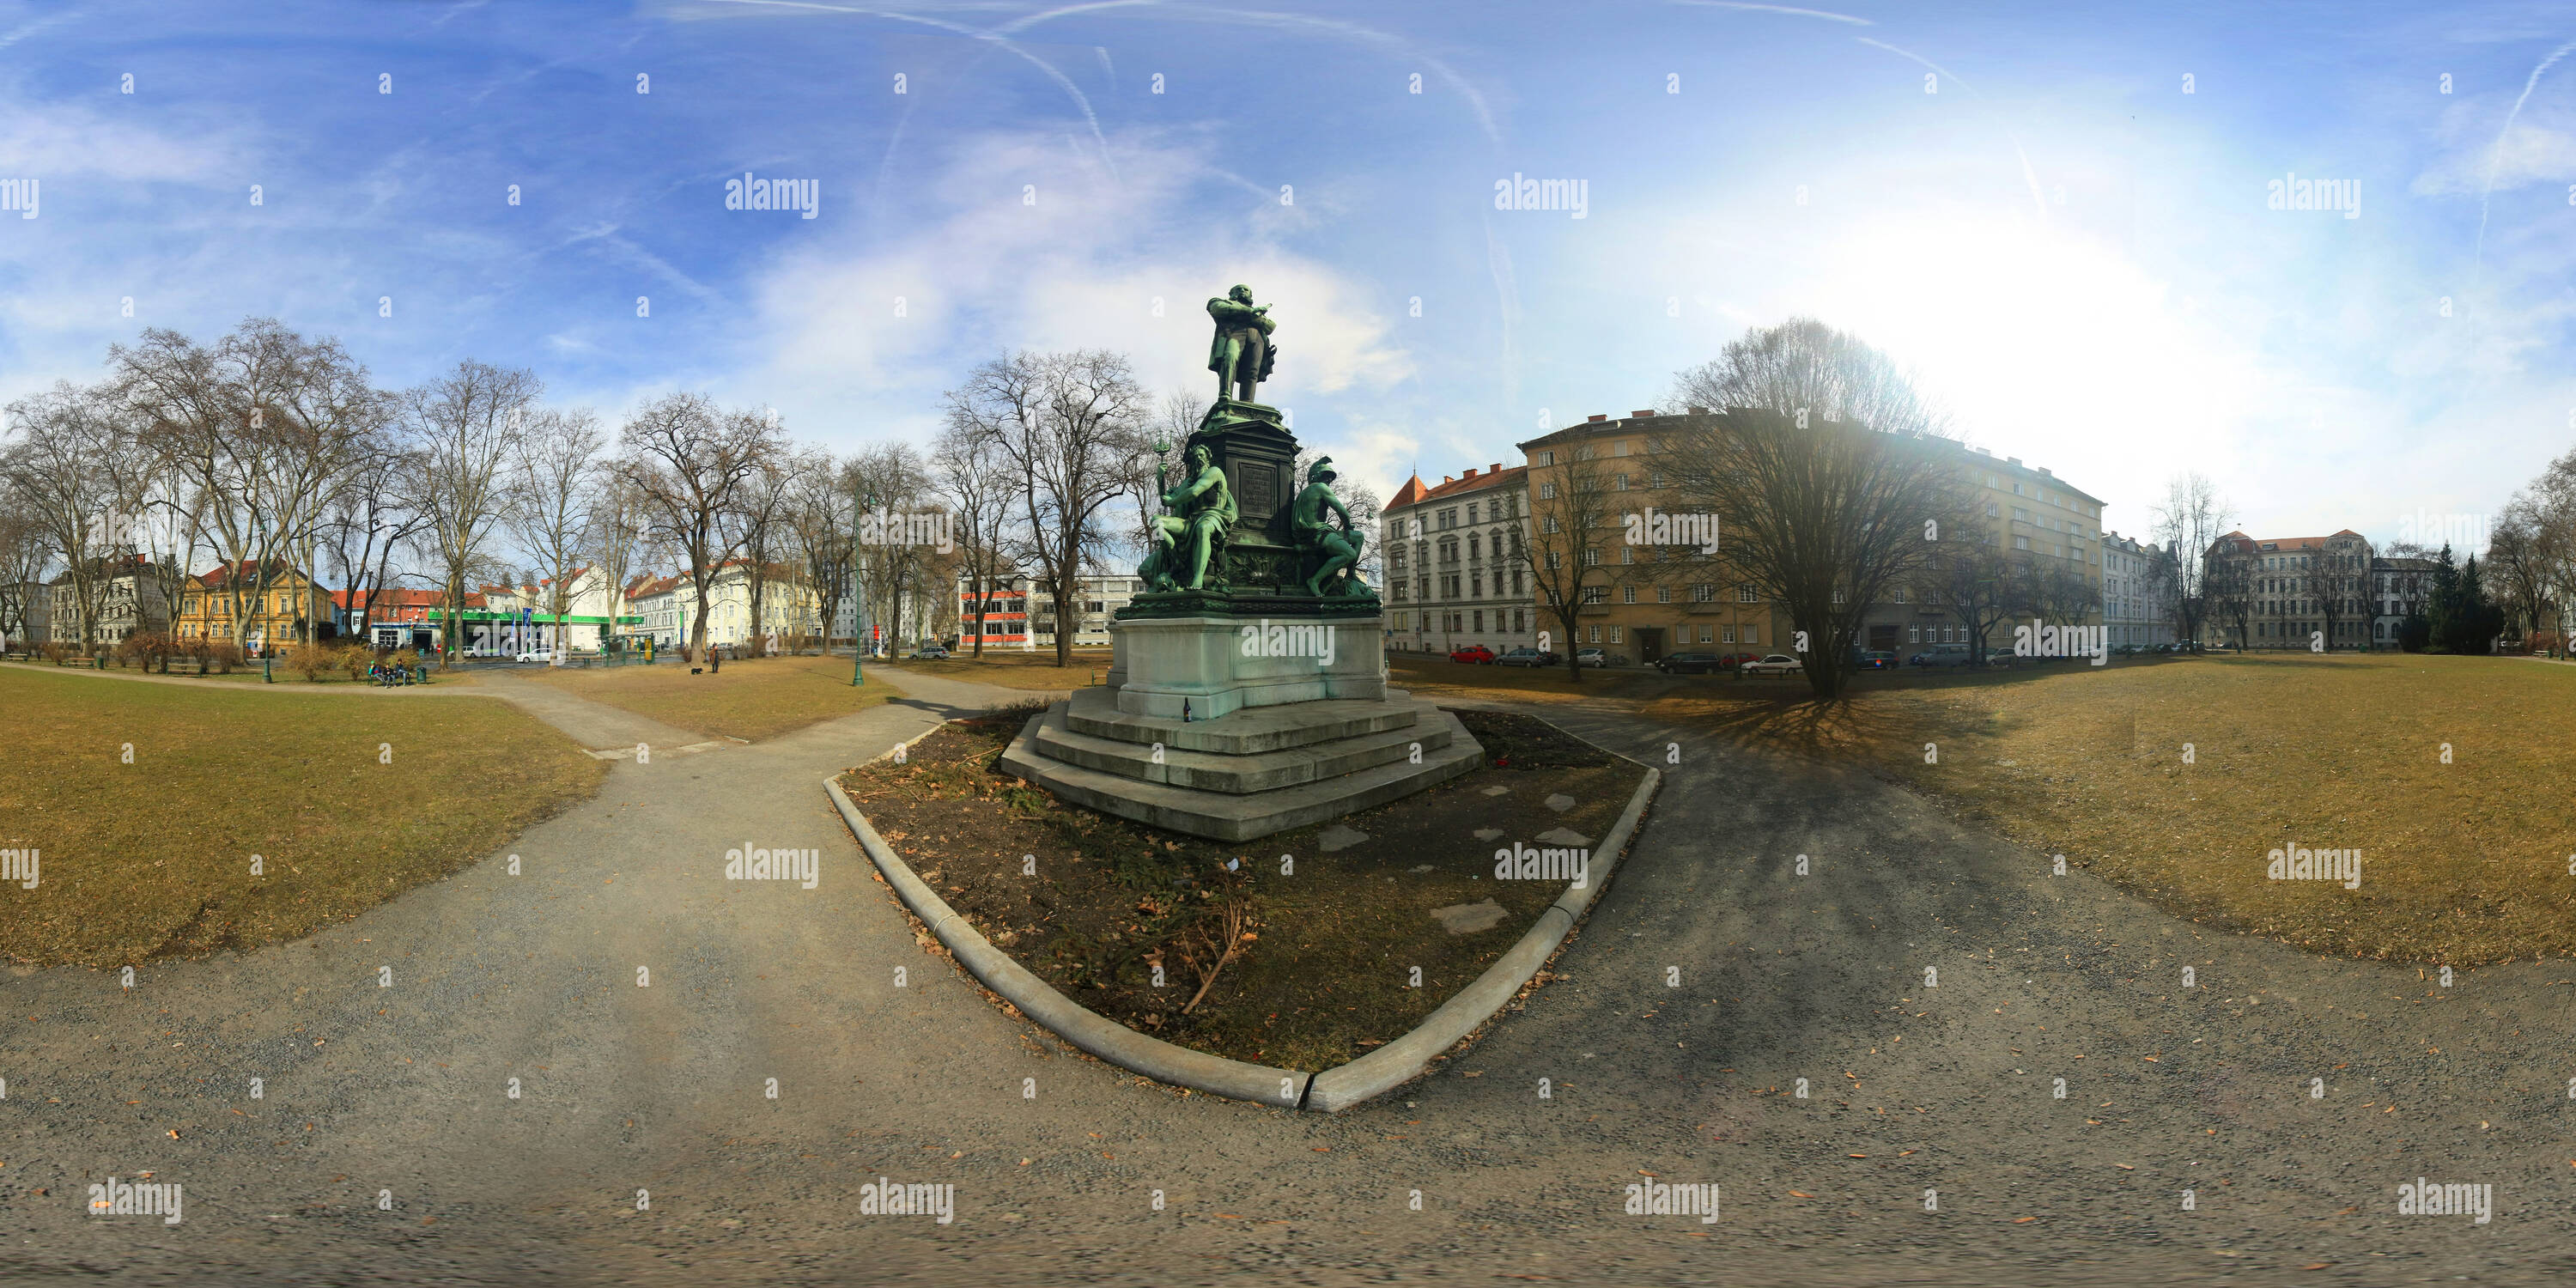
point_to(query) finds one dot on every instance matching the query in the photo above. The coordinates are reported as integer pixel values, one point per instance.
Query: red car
(1476, 653)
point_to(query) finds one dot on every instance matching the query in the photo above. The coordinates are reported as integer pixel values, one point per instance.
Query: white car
(537, 655)
(1776, 664)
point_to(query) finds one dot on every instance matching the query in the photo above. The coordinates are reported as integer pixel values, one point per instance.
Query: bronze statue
(1241, 355)
(1339, 546)
(1204, 510)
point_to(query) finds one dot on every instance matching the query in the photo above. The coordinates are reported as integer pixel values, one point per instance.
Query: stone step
(1250, 731)
(1228, 817)
(1238, 774)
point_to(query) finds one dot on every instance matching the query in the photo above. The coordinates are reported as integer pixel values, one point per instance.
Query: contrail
(2495, 161)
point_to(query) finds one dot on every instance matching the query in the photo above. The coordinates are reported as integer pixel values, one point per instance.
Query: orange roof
(1414, 492)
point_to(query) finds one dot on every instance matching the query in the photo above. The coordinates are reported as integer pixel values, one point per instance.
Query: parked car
(1941, 655)
(1598, 657)
(1476, 654)
(1874, 660)
(1690, 663)
(931, 653)
(1775, 664)
(537, 655)
(1734, 660)
(1527, 656)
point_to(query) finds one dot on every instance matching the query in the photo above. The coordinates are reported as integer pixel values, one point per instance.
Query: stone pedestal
(1221, 665)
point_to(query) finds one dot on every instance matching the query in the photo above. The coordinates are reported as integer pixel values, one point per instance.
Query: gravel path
(404, 1089)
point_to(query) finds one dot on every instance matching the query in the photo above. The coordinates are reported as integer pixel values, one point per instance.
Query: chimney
(1699, 411)
(2044, 470)
(2013, 459)
(1495, 468)
(1446, 480)
(1471, 472)
(1981, 451)
(1641, 415)
(1597, 417)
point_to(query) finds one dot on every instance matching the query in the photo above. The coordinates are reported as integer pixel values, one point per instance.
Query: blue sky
(2074, 254)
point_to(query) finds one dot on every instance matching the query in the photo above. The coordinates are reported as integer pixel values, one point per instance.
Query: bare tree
(762, 518)
(56, 465)
(895, 559)
(613, 533)
(2188, 524)
(968, 470)
(467, 425)
(1829, 478)
(371, 519)
(821, 496)
(1067, 425)
(25, 554)
(2227, 586)
(1974, 580)
(1574, 515)
(553, 479)
(688, 462)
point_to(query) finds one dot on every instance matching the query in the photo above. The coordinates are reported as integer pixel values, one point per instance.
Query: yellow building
(275, 615)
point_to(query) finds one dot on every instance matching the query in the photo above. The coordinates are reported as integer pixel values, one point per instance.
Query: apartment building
(2137, 592)
(1642, 599)
(1018, 612)
(130, 598)
(666, 608)
(26, 614)
(274, 615)
(1456, 557)
(2399, 587)
(2291, 592)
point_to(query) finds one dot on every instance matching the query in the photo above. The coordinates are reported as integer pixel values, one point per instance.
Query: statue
(1241, 355)
(1204, 511)
(1339, 547)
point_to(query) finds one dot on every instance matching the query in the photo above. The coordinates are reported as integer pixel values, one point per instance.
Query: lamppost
(860, 502)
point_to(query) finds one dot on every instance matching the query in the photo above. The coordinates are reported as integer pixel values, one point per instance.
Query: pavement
(645, 1145)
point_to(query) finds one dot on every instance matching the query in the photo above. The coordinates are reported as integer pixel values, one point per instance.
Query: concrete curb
(1111, 1041)
(1331, 1091)
(1410, 1056)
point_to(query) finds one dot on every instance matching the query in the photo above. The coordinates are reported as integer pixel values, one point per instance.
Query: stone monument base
(1219, 665)
(1248, 773)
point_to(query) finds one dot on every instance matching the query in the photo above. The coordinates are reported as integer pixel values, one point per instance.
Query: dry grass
(1035, 671)
(2462, 863)
(751, 700)
(1434, 676)
(153, 858)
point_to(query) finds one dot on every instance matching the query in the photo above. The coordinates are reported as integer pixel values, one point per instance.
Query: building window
(1480, 621)
(1627, 594)
(1913, 634)
(1471, 514)
(1618, 634)
(1549, 525)
(1547, 491)
(1744, 594)
(1546, 458)
(1554, 557)
(1596, 634)
(1726, 635)
(1663, 594)
(1619, 482)
(1592, 556)
(1596, 594)
(1703, 592)
(1752, 634)
(1703, 634)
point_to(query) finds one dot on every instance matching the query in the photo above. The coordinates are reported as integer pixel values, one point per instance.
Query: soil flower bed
(1301, 950)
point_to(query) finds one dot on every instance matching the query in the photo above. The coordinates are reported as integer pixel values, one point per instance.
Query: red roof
(215, 577)
(1414, 492)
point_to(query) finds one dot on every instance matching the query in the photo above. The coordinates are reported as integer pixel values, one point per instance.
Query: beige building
(2292, 592)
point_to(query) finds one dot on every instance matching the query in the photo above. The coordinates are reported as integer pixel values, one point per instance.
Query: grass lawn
(248, 673)
(153, 858)
(1326, 950)
(751, 700)
(2462, 863)
(1434, 676)
(1013, 669)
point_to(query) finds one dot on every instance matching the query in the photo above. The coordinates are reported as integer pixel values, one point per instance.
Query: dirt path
(665, 1088)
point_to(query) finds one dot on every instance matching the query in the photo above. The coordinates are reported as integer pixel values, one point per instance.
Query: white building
(1019, 613)
(2137, 589)
(523, 617)
(669, 609)
(1456, 568)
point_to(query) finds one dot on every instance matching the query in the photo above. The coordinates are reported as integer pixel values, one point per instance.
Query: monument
(1247, 689)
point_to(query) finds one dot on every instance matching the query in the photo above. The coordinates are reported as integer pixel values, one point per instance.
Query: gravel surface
(404, 1089)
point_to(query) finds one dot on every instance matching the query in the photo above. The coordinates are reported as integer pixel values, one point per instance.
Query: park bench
(186, 666)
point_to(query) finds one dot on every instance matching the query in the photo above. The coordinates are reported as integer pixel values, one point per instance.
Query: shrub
(223, 655)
